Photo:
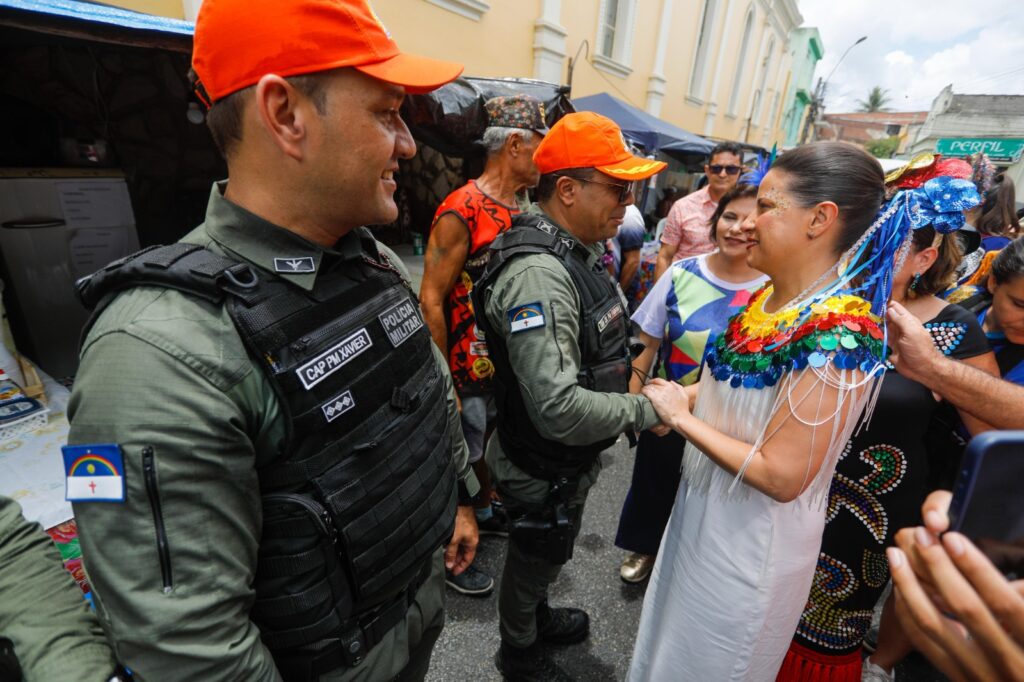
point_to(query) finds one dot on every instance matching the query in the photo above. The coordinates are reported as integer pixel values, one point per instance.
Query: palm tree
(876, 101)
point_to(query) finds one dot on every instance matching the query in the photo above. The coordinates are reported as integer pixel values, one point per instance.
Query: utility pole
(818, 100)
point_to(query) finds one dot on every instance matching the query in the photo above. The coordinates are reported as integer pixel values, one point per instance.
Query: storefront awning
(89, 21)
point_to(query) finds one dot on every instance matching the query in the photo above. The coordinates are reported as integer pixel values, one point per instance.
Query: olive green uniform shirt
(546, 360)
(42, 610)
(169, 371)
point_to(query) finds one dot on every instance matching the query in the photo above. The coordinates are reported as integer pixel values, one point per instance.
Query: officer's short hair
(546, 185)
(224, 119)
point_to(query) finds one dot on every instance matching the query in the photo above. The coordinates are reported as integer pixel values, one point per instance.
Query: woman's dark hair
(999, 212)
(737, 192)
(1010, 261)
(841, 173)
(942, 273)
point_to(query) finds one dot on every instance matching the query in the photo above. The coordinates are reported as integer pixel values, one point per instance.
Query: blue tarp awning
(102, 22)
(640, 127)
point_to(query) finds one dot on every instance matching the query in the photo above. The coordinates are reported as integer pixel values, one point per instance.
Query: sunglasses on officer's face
(624, 190)
(716, 169)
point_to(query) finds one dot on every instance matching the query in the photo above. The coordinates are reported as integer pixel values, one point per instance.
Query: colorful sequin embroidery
(822, 622)
(758, 348)
(874, 569)
(889, 465)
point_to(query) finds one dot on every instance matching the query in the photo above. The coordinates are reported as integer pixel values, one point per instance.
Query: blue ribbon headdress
(764, 164)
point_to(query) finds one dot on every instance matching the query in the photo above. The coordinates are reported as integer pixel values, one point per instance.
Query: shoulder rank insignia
(304, 264)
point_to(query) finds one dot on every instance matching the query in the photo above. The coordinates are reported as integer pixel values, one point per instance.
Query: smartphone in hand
(988, 498)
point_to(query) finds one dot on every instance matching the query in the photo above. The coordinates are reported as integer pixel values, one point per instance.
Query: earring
(914, 282)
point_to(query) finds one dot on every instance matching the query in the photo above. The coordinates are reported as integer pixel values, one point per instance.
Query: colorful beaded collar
(758, 348)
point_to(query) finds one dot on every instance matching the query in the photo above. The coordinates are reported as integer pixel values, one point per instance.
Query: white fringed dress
(735, 566)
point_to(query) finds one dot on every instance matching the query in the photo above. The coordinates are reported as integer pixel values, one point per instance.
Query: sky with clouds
(914, 48)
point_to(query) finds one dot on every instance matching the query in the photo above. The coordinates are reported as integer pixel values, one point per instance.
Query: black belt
(351, 648)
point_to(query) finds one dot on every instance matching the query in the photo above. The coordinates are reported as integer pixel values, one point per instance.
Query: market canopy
(97, 22)
(641, 128)
(452, 119)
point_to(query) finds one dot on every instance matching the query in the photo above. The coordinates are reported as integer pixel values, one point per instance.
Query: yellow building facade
(718, 68)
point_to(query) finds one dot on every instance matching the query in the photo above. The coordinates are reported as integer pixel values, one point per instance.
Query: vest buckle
(402, 401)
(242, 276)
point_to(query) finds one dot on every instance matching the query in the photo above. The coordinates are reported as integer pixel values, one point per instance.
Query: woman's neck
(796, 280)
(991, 322)
(731, 269)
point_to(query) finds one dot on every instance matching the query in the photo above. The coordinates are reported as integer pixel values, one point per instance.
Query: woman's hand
(955, 606)
(670, 401)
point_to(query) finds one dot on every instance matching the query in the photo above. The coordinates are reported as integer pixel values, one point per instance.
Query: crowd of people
(308, 451)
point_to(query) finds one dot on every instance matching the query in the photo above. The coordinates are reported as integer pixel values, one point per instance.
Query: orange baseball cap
(237, 42)
(589, 140)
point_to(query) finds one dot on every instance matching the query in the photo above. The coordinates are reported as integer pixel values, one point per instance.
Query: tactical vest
(364, 491)
(604, 348)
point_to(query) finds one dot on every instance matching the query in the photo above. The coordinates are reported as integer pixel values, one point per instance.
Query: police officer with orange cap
(273, 436)
(558, 333)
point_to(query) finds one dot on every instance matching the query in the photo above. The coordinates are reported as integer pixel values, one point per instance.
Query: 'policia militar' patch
(295, 265)
(400, 321)
(334, 358)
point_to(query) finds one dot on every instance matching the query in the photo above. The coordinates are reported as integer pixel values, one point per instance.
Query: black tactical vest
(604, 348)
(364, 491)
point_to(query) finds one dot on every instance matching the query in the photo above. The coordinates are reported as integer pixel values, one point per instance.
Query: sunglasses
(716, 169)
(624, 190)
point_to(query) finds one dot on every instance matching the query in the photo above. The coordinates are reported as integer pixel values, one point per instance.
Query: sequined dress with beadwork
(735, 565)
(878, 488)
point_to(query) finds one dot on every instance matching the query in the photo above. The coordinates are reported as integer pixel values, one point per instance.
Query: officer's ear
(567, 190)
(284, 114)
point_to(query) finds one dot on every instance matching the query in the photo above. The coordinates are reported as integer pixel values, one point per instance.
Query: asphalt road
(589, 581)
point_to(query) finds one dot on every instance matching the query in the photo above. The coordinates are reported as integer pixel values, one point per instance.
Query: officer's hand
(462, 548)
(660, 430)
(670, 400)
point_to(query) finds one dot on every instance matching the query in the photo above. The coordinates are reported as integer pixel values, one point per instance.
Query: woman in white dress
(782, 391)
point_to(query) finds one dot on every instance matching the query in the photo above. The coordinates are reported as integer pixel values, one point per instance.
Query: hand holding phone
(988, 499)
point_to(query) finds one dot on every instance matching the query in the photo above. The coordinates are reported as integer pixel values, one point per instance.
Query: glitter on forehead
(778, 198)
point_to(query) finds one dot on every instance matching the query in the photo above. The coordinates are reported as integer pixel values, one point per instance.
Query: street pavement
(589, 581)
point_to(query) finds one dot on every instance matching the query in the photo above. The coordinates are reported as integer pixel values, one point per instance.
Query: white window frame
(471, 9)
(702, 52)
(748, 34)
(619, 63)
(766, 68)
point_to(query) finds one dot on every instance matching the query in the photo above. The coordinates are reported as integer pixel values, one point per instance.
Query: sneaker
(636, 567)
(496, 525)
(472, 581)
(531, 664)
(875, 673)
(563, 625)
